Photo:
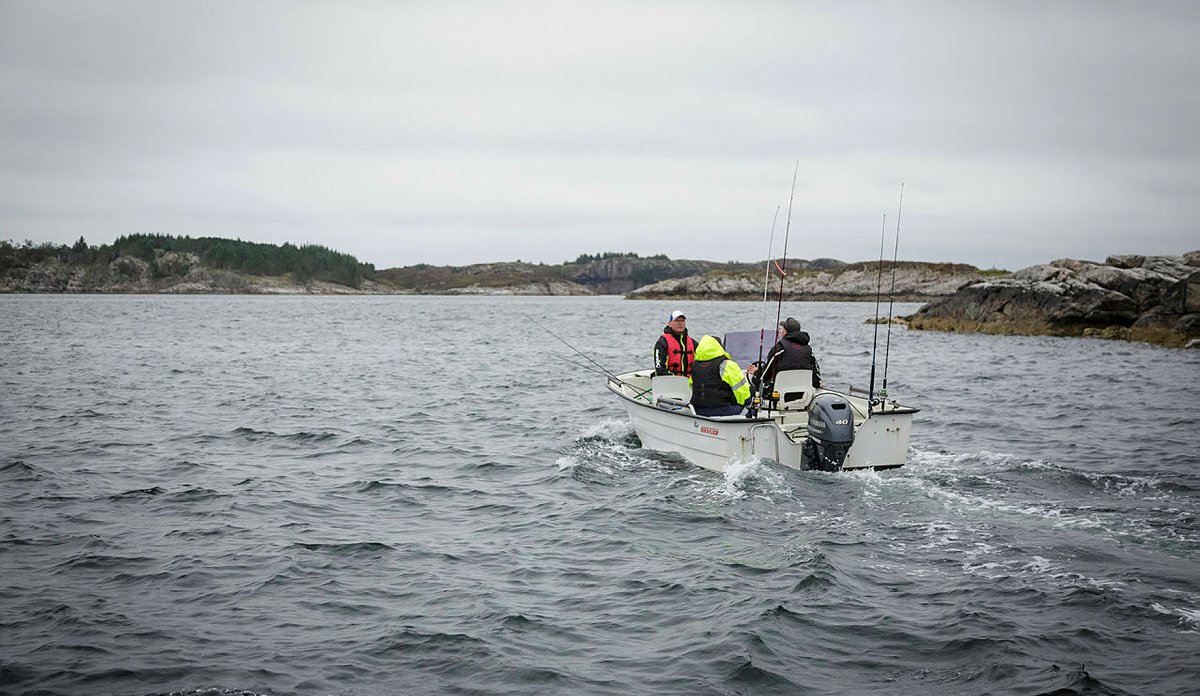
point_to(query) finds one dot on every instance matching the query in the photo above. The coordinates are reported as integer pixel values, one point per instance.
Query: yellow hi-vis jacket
(710, 348)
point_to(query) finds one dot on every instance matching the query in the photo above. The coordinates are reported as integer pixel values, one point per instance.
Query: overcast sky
(462, 132)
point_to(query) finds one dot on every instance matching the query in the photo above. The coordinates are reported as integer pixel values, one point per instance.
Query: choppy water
(414, 495)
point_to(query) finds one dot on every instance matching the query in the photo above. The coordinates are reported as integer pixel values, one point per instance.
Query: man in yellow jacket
(719, 387)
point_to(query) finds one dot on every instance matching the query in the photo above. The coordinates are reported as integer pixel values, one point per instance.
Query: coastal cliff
(1154, 299)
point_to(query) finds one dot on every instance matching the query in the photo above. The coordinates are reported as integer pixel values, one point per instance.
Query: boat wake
(989, 517)
(616, 430)
(990, 487)
(752, 476)
(1066, 534)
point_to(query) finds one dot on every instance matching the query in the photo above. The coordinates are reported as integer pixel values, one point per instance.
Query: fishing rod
(786, 233)
(583, 366)
(892, 295)
(766, 283)
(600, 369)
(604, 370)
(762, 385)
(762, 331)
(878, 290)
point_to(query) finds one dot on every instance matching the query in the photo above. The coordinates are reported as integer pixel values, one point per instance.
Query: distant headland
(147, 263)
(1142, 298)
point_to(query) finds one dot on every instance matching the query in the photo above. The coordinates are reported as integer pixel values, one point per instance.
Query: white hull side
(708, 443)
(880, 440)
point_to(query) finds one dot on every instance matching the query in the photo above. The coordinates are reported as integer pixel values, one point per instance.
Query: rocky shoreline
(1154, 299)
(914, 281)
(551, 288)
(133, 276)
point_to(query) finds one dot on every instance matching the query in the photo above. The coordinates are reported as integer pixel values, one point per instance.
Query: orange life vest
(679, 358)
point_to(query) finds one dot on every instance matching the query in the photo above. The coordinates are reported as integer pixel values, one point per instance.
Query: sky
(463, 132)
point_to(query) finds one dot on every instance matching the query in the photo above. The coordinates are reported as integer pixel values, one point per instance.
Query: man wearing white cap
(674, 350)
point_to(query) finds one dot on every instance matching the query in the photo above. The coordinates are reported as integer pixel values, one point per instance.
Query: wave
(195, 495)
(137, 493)
(82, 413)
(1189, 617)
(617, 430)
(214, 691)
(182, 466)
(1121, 485)
(1142, 508)
(204, 532)
(255, 435)
(347, 548)
(370, 486)
(442, 645)
(752, 476)
(20, 469)
(100, 561)
(747, 674)
(357, 441)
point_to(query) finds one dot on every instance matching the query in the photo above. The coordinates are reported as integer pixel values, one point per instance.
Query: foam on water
(612, 429)
(750, 476)
(1189, 619)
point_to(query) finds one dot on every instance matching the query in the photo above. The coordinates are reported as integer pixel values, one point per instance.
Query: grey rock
(1148, 298)
(913, 281)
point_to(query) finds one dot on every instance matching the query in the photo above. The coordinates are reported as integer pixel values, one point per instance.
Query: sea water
(429, 495)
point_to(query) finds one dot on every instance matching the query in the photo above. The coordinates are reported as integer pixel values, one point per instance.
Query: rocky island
(1139, 298)
(826, 280)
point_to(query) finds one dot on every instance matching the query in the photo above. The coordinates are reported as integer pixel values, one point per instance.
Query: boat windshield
(742, 346)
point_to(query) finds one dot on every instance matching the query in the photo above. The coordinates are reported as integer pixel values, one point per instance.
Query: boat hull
(881, 438)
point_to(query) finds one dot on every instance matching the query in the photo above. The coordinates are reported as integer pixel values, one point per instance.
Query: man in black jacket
(792, 352)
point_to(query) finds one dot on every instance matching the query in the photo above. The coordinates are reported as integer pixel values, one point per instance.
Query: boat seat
(795, 389)
(666, 403)
(673, 387)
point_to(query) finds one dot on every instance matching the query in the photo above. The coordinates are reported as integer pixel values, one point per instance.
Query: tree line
(306, 262)
(588, 258)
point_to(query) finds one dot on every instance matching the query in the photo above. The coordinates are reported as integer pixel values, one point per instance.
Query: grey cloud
(442, 133)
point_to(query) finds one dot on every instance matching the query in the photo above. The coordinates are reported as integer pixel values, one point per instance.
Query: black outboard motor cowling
(830, 433)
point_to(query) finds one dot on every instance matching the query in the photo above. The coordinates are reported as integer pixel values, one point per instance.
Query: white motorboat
(803, 427)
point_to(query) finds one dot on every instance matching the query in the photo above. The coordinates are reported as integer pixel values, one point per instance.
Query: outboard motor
(830, 433)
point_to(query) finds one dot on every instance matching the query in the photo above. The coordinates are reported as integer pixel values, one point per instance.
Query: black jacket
(708, 386)
(792, 353)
